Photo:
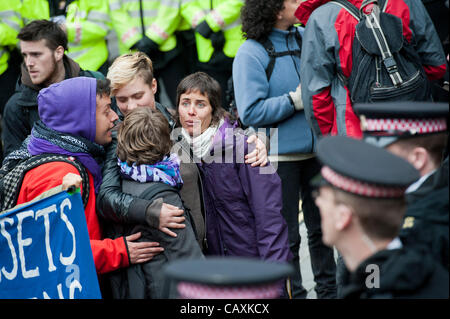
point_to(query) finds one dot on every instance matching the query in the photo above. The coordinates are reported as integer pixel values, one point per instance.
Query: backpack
(386, 67)
(273, 55)
(11, 181)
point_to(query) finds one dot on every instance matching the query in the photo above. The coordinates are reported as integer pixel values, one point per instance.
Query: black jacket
(21, 110)
(426, 219)
(404, 274)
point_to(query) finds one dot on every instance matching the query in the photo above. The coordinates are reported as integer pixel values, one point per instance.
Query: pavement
(305, 261)
(305, 264)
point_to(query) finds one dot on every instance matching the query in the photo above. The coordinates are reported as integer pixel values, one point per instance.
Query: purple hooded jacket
(69, 107)
(243, 207)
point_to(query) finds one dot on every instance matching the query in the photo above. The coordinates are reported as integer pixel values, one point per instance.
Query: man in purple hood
(76, 121)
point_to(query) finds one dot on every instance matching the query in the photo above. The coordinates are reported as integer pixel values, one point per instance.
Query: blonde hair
(127, 67)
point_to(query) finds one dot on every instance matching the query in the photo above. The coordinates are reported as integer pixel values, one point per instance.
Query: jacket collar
(393, 273)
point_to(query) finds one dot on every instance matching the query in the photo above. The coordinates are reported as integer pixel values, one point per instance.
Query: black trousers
(8, 80)
(295, 178)
(178, 68)
(171, 75)
(220, 67)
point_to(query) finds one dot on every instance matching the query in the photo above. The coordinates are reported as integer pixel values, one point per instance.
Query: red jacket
(108, 254)
(327, 48)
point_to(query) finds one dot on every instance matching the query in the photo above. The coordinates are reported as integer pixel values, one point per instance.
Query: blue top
(267, 104)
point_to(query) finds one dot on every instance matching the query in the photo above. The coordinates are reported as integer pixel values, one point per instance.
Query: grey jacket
(147, 280)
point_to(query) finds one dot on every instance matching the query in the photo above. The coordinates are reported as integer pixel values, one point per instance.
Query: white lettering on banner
(13, 273)
(24, 243)
(68, 260)
(58, 288)
(45, 212)
(74, 285)
(45, 251)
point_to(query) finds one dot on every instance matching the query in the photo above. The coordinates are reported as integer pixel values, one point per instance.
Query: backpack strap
(354, 11)
(11, 183)
(373, 24)
(268, 45)
(388, 58)
(350, 7)
(270, 49)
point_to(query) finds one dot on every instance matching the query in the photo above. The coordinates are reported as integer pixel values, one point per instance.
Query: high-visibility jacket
(34, 10)
(160, 19)
(221, 15)
(10, 24)
(88, 23)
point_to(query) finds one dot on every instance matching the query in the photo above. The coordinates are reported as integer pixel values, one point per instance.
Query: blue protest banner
(45, 251)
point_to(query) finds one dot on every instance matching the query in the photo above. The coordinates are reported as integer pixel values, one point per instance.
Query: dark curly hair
(259, 17)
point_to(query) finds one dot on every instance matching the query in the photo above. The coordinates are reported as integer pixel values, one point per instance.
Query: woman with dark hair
(266, 78)
(242, 203)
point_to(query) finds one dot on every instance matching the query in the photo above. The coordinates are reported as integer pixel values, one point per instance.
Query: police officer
(218, 35)
(361, 202)
(149, 26)
(417, 132)
(87, 25)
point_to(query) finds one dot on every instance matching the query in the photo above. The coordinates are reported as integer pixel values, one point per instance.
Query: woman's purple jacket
(242, 206)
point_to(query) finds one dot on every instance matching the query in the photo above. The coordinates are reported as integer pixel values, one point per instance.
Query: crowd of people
(257, 92)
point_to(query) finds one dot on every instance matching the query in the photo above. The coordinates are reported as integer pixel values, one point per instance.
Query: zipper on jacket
(205, 240)
(222, 241)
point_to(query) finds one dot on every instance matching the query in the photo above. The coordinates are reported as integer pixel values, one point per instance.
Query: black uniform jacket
(426, 218)
(404, 273)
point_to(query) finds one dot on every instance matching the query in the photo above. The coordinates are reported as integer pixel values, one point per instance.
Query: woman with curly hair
(266, 77)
